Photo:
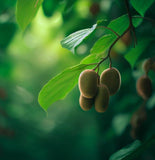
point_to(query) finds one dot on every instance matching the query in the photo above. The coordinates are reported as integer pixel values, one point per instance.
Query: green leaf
(141, 6)
(92, 58)
(59, 86)
(103, 43)
(119, 25)
(134, 53)
(74, 39)
(26, 11)
(125, 151)
(102, 22)
(132, 151)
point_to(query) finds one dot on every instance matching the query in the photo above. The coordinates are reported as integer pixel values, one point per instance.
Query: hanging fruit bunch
(144, 90)
(97, 89)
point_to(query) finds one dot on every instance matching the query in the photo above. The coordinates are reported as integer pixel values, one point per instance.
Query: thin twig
(36, 3)
(109, 51)
(110, 30)
(130, 27)
(100, 62)
(130, 22)
(115, 43)
(145, 18)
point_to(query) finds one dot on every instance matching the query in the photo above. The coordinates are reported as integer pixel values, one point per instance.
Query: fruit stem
(130, 27)
(145, 18)
(109, 51)
(130, 22)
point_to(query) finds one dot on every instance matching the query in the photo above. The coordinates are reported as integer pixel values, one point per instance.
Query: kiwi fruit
(147, 65)
(144, 87)
(88, 82)
(102, 99)
(112, 79)
(86, 103)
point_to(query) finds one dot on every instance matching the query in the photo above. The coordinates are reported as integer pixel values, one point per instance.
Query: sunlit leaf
(74, 39)
(26, 11)
(92, 58)
(119, 25)
(141, 6)
(103, 43)
(134, 53)
(59, 86)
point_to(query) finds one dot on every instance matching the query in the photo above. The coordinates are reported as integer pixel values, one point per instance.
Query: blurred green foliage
(29, 59)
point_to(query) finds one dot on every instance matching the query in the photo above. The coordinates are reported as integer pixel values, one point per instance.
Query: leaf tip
(41, 102)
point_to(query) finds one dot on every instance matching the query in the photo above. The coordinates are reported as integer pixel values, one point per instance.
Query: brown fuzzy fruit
(112, 79)
(147, 65)
(88, 81)
(102, 99)
(86, 103)
(144, 87)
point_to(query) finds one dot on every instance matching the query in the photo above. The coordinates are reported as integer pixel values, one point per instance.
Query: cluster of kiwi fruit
(144, 84)
(96, 90)
(144, 89)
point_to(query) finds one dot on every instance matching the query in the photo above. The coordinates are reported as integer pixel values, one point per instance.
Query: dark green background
(29, 59)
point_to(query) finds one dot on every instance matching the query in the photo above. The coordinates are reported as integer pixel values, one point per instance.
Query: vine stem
(130, 27)
(145, 18)
(109, 51)
(130, 22)
(36, 3)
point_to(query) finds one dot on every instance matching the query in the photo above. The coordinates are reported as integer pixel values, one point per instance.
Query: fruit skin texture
(112, 79)
(88, 81)
(102, 99)
(86, 103)
(144, 87)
